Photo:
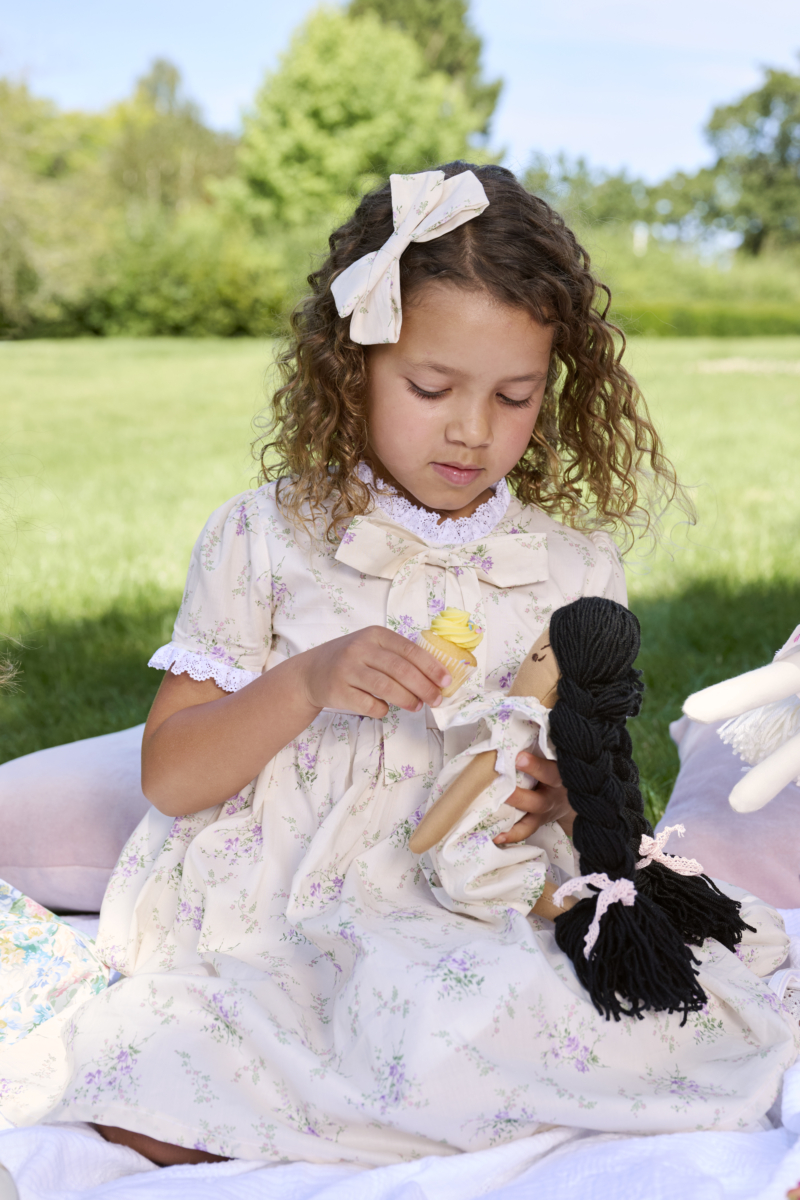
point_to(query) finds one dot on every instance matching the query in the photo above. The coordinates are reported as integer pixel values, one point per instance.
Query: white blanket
(68, 1161)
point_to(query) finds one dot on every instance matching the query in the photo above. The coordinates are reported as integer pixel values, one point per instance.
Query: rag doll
(627, 934)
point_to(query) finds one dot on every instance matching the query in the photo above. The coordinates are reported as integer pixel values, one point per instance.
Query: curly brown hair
(594, 458)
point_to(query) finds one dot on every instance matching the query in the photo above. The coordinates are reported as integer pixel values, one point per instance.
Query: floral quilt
(45, 965)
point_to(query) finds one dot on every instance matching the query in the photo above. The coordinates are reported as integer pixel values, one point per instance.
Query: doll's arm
(735, 696)
(763, 781)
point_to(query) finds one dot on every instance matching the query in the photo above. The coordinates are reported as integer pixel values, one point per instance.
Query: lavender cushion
(66, 813)
(758, 851)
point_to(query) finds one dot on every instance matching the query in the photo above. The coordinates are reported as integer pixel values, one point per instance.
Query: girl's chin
(449, 502)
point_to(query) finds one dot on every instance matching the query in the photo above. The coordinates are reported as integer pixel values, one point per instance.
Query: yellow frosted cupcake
(451, 639)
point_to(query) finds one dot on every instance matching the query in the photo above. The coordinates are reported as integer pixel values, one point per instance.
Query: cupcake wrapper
(459, 668)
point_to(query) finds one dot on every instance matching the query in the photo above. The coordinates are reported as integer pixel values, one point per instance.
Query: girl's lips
(455, 474)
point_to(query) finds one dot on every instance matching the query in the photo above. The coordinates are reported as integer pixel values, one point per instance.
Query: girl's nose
(471, 427)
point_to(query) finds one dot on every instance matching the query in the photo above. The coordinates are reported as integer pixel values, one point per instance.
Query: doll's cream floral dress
(298, 984)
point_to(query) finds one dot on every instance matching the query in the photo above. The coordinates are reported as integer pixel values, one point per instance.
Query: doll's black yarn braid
(639, 960)
(693, 903)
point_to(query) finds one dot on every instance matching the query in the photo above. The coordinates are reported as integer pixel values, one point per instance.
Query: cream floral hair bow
(424, 207)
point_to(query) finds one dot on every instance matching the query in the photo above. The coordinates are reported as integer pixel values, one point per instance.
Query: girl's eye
(515, 403)
(418, 391)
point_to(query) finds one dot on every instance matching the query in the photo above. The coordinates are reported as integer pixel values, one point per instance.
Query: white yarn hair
(757, 733)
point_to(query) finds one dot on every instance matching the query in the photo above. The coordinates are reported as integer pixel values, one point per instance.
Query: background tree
(584, 195)
(753, 188)
(352, 101)
(757, 140)
(162, 153)
(448, 42)
(54, 200)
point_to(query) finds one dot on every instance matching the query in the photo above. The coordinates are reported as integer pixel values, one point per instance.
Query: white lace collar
(427, 526)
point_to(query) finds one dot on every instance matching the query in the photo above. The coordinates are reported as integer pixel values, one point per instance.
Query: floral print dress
(297, 984)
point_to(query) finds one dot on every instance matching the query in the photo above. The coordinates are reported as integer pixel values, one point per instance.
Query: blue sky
(625, 82)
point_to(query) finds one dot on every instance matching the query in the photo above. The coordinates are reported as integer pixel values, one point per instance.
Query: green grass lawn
(112, 454)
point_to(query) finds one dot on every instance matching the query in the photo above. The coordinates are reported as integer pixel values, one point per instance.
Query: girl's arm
(202, 745)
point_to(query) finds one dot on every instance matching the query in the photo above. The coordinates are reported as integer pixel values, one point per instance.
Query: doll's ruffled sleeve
(223, 630)
(607, 575)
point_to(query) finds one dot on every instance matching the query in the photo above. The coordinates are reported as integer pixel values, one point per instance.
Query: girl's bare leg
(163, 1154)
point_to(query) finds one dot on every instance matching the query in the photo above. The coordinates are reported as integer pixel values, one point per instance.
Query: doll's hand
(367, 671)
(546, 802)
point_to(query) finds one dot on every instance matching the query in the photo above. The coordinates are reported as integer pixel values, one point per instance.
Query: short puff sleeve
(223, 630)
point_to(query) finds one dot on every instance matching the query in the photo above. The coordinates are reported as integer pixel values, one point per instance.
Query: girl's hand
(546, 801)
(367, 671)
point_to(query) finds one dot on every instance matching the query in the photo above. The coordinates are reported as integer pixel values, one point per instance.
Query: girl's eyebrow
(533, 377)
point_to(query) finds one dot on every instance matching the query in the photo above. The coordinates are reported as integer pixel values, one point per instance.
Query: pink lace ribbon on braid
(617, 891)
(652, 849)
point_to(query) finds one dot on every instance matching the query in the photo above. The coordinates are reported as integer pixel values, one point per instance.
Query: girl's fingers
(383, 687)
(543, 769)
(431, 667)
(404, 672)
(523, 829)
(424, 662)
(540, 800)
(363, 703)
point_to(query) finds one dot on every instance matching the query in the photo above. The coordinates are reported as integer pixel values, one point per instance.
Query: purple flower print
(235, 803)
(514, 529)
(485, 564)
(578, 1053)
(347, 538)
(219, 653)
(114, 1075)
(436, 606)
(505, 680)
(187, 915)
(241, 520)
(457, 975)
(306, 757)
(407, 771)
(128, 865)
(395, 1078)
(225, 1016)
(405, 627)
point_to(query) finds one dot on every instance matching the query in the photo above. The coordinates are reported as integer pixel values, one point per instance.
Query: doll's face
(453, 403)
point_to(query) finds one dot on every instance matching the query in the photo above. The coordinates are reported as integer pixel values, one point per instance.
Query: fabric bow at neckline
(385, 550)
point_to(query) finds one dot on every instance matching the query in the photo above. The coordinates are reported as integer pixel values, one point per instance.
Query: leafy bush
(707, 319)
(193, 275)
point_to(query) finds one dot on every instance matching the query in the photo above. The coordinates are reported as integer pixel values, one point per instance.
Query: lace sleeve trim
(179, 661)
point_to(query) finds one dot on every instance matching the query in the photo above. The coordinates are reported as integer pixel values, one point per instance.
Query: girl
(293, 989)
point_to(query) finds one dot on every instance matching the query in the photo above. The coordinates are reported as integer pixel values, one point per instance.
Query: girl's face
(453, 403)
